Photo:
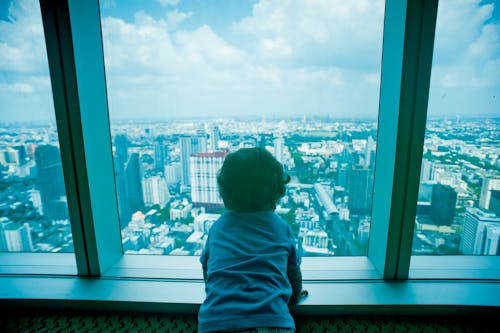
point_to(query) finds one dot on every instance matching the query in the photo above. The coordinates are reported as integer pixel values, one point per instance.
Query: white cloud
(175, 18)
(467, 45)
(22, 46)
(168, 2)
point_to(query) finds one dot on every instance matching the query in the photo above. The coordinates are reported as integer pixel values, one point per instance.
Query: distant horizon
(255, 118)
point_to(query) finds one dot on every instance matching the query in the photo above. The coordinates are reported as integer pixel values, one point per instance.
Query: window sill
(189, 268)
(38, 263)
(336, 297)
(455, 267)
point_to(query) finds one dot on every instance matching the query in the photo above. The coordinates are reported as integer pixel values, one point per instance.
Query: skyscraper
(51, 182)
(495, 202)
(279, 146)
(443, 203)
(161, 154)
(487, 239)
(472, 241)
(188, 146)
(135, 200)
(491, 182)
(121, 148)
(214, 138)
(359, 198)
(204, 168)
(155, 191)
(121, 192)
(426, 170)
(14, 236)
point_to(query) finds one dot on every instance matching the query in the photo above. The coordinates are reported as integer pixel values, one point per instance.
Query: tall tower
(135, 200)
(214, 138)
(443, 204)
(495, 202)
(121, 148)
(359, 198)
(51, 182)
(188, 146)
(15, 237)
(160, 154)
(279, 145)
(426, 170)
(204, 169)
(475, 219)
(489, 183)
(155, 191)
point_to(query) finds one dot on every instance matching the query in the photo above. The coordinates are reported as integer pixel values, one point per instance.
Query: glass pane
(33, 206)
(458, 202)
(190, 81)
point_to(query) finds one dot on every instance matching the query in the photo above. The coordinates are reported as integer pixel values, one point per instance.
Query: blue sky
(174, 58)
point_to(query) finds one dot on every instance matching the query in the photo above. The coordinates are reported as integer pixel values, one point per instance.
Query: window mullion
(406, 63)
(419, 44)
(60, 54)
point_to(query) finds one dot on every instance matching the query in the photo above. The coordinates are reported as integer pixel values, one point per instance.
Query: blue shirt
(245, 264)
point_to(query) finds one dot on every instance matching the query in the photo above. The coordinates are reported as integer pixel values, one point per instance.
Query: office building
(491, 182)
(214, 138)
(279, 146)
(155, 191)
(188, 146)
(161, 154)
(487, 239)
(443, 203)
(51, 182)
(204, 168)
(495, 202)
(474, 221)
(135, 199)
(359, 196)
(15, 236)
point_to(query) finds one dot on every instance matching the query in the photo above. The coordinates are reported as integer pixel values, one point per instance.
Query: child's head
(251, 179)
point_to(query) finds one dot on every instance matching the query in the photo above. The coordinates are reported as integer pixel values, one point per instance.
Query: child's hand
(303, 294)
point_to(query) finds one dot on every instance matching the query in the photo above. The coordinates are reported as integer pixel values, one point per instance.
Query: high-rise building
(121, 148)
(36, 200)
(214, 138)
(121, 192)
(51, 182)
(369, 152)
(426, 170)
(491, 182)
(173, 173)
(155, 191)
(204, 168)
(495, 202)
(359, 198)
(475, 219)
(487, 239)
(443, 203)
(161, 154)
(14, 236)
(135, 200)
(188, 146)
(279, 146)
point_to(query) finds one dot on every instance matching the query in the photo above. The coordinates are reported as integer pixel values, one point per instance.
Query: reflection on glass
(458, 202)
(187, 84)
(33, 208)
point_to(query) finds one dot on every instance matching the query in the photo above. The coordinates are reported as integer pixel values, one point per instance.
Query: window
(33, 203)
(189, 83)
(89, 143)
(457, 211)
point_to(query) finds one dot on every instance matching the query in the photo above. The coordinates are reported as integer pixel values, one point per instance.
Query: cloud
(168, 2)
(320, 32)
(22, 46)
(175, 18)
(467, 45)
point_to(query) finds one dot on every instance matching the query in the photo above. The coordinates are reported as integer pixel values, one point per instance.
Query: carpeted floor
(119, 322)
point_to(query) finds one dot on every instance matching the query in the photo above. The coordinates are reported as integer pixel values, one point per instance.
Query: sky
(208, 58)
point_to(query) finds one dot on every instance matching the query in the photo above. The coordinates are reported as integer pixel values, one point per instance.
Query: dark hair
(251, 179)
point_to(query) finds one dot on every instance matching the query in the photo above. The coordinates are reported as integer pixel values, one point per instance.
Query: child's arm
(295, 277)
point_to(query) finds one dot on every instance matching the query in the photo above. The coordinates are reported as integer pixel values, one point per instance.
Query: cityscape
(167, 198)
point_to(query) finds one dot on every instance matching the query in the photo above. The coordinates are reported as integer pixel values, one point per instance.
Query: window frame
(78, 78)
